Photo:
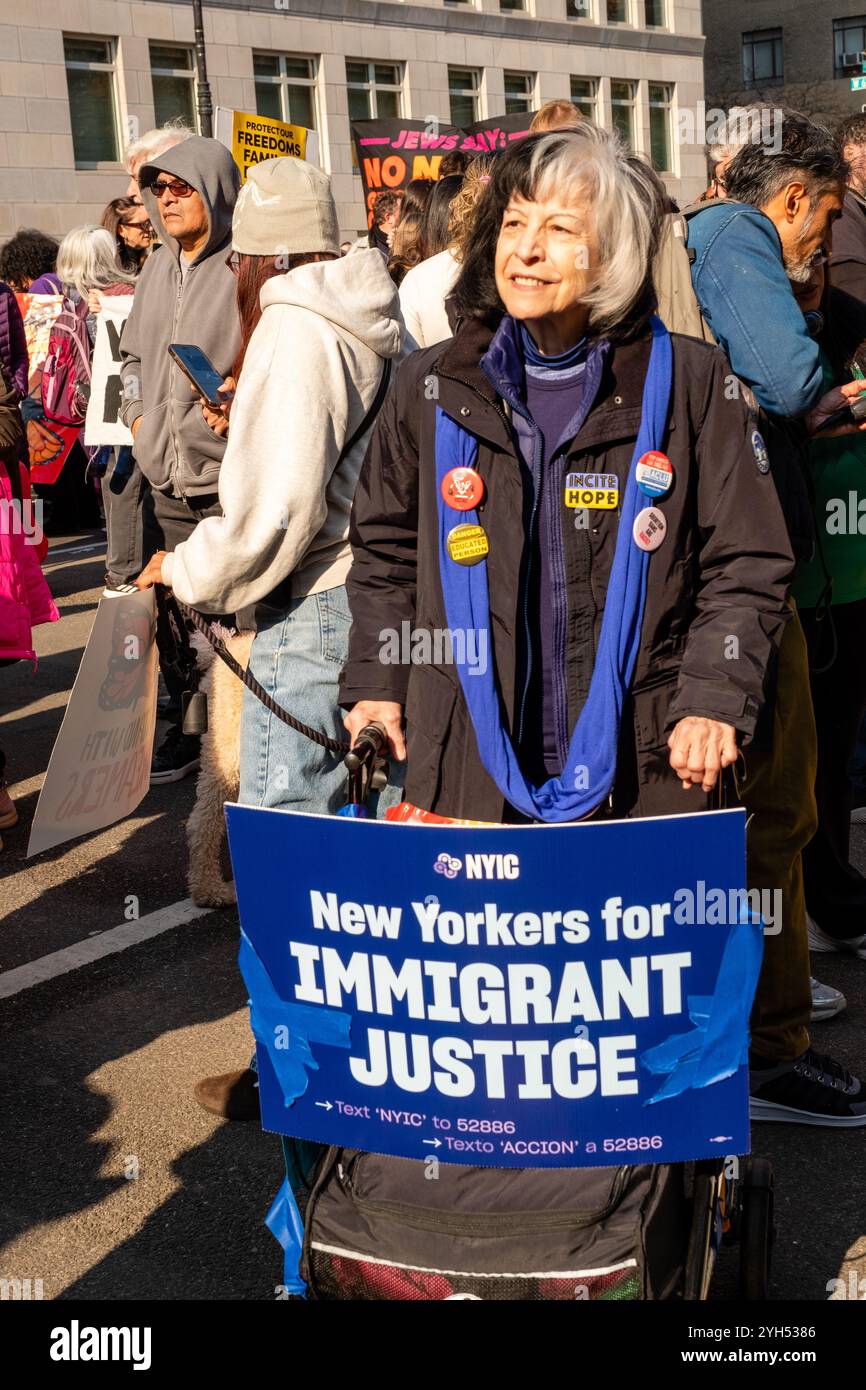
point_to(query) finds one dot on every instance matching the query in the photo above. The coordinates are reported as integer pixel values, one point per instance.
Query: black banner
(392, 152)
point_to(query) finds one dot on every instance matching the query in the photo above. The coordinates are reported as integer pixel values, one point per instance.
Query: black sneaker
(176, 757)
(812, 1090)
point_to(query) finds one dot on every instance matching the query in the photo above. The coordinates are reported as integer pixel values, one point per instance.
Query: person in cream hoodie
(317, 333)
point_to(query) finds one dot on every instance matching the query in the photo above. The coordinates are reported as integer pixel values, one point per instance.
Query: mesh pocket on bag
(346, 1275)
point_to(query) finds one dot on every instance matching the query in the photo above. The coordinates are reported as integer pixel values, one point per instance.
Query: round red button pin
(462, 489)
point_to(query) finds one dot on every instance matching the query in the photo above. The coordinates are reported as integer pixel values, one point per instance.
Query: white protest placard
(100, 764)
(103, 424)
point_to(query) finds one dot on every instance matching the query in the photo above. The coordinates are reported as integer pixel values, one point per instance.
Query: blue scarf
(590, 767)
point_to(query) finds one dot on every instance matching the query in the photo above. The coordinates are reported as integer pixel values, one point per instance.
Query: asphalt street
(115, 1184)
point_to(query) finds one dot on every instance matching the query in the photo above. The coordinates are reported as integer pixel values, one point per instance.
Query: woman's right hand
(218, 417)
(384, 712)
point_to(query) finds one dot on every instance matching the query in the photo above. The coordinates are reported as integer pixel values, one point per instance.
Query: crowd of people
(528, 316)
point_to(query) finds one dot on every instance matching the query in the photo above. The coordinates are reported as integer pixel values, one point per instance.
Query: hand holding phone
(842, 410)
(200, 372)
(218, 417)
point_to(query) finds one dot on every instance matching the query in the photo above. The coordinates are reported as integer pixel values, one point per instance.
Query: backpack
(66, 372)
(678, 306)
(381, 1228)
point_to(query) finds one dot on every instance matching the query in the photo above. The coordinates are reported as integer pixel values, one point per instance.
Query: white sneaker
(826, 1001)
(820, 941)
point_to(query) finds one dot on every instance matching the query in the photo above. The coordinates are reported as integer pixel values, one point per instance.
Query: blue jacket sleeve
(744, 294)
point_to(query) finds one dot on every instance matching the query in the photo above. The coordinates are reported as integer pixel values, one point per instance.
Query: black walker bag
(404, 1229)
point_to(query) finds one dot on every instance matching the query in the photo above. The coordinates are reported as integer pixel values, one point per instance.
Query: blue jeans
(297, 657)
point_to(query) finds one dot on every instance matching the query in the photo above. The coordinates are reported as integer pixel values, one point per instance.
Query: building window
(578, 9)
(464, 91)
(660, 97)
(762, 57)
(514, 5)
(584, 94)
(849, 40)
(519, 91)
(286, 88)
(374, 90)
(92, 102)
(622, 109)
(617, 11)
(172, 75)
(654, 14)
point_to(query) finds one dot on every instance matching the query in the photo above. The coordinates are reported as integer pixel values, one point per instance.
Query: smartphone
(200, 372)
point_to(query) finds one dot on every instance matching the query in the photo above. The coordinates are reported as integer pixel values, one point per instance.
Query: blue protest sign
(567, 996)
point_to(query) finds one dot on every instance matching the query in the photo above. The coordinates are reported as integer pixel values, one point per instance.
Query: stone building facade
(78, 78)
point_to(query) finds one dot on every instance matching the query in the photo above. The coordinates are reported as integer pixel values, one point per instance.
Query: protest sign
(254, 138)
(100, 764)
(49, 447)
(103, 424)
(391, 152)
(38, 312)
(554, 996)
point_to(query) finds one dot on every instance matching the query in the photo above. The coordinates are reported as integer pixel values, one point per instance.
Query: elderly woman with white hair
(88, 269)
(87, 265)
(571, 493)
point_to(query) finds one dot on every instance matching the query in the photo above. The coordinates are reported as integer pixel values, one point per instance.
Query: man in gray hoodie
(186, 294)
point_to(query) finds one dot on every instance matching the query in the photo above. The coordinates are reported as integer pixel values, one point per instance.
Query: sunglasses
(176, 187)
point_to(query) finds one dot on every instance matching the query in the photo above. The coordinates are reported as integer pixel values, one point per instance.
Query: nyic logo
(447, 866)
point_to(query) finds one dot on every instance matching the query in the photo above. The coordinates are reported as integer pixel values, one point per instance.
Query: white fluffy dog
(219, 776)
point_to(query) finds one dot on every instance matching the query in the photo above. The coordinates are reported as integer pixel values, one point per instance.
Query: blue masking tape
(296, 1025)
(719, 1044)
(284, 1222)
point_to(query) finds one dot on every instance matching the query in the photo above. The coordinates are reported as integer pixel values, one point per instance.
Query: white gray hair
(87, 260)
(626, 201)
(153, 143)
(742, 125)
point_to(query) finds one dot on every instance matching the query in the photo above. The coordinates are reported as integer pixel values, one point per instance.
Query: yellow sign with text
(254, 138)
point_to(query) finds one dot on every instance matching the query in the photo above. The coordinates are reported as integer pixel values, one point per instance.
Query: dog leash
(333, 745)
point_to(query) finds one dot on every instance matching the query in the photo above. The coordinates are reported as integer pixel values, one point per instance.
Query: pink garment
(25, 599)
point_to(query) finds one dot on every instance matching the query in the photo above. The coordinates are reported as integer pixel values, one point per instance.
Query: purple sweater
(13, 345)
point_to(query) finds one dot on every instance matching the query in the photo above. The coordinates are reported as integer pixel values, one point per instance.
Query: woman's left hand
(700, 749)
(152, 572)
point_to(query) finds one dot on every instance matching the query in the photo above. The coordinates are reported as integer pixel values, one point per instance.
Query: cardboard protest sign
(103, 424)
(254, 138)
(391, 152)
(554, 996)
(100, 764)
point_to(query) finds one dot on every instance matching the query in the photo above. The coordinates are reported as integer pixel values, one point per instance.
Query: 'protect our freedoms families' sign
(391, 152)
(254, 138)
(549, 996)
